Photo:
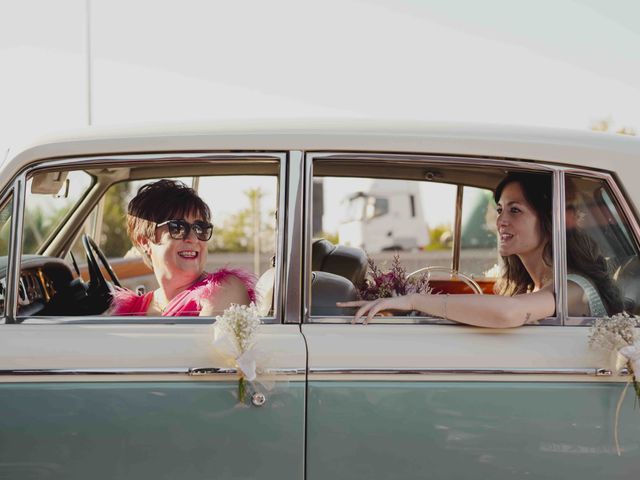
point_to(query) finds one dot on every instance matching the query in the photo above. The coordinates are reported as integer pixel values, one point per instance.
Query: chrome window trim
(81, 162)
(15, 250)
(587, 371)
(457, 227)
(410, 320)
(417, 158)
(559, 245)
(293, 251)
(410, 159)
(151, 158)
(191, 371)
(627, 213)
(7, 197)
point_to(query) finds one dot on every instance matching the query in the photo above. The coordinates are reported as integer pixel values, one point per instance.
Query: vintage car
(85, 394)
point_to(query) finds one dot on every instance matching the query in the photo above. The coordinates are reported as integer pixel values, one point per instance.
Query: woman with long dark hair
(525, 289)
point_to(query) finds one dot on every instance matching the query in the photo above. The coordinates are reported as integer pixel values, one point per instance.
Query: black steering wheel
(98, 289)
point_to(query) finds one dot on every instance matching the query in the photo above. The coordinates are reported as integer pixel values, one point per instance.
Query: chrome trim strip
(198, 371)
(151, 158)
(292, 280)
(559, 246)
(457, 238)
(395, 320)
(308, 237)
(281, 248)
(463, 371)
(445, 159)
(15, 249)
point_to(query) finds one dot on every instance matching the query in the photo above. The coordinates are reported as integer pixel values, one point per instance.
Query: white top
(596, 306)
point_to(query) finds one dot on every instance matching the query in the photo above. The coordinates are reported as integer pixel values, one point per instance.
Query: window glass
(478, 241)
(243, 212)
(6, 210)
(602, 258)
(243, 209)
(362, 251)
(376, 219)
(50, 197)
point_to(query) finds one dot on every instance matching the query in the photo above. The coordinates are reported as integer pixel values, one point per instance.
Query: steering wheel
(454, 274)
(98, 289)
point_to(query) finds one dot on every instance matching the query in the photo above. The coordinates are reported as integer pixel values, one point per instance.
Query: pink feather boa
(185, 304)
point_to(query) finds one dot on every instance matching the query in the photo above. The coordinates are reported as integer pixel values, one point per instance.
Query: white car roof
(616, 153)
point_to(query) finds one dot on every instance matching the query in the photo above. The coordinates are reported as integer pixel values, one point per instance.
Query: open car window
(243, 206)
(427, 228)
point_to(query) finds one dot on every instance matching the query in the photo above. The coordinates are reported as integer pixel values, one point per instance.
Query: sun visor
(49, 183)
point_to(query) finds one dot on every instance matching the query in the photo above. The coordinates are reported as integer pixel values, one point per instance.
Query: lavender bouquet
(379, 284)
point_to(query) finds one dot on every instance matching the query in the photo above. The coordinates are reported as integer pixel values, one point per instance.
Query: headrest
(348, 262)
(326, 290)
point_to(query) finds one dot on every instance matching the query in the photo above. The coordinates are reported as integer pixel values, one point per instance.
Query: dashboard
(45, 286)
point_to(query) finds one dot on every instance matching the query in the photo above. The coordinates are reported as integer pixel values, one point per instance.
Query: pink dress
(185, 304)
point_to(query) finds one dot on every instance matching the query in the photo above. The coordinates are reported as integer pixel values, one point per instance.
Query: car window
(6, 210)
(478, 246)
(362, 225)
(50, 197)
(244, 236)
(602, 256)
(62, 208)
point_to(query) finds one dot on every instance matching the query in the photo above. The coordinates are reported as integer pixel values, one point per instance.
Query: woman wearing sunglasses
(170, 225)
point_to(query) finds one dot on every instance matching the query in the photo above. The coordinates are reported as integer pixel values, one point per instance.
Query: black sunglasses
(179, 229)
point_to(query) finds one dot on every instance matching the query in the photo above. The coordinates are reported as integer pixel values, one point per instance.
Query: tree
(114, 240)
(246, 229)
(606, 124)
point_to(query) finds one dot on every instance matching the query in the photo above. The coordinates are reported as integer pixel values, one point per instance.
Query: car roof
(594, 150)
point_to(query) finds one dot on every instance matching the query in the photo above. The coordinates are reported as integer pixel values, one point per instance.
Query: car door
(419, 397)
(116, 397)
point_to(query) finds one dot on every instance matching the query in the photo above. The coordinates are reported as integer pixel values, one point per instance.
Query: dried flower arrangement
(393, 283)
(617, 335)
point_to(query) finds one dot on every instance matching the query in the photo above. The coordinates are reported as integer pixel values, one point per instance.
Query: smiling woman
(173, 242)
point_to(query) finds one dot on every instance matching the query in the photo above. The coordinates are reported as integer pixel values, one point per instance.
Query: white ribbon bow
(244, 361)
(630, 353)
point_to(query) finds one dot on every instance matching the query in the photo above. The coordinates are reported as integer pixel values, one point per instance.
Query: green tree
(38, 225)
(114, 239)
(238, 232)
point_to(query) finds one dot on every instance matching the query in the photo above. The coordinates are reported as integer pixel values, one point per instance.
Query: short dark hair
(158, 202)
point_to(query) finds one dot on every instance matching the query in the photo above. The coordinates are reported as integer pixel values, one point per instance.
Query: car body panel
(149, 430)
(449, 401)
(118, 401)
(468, 429)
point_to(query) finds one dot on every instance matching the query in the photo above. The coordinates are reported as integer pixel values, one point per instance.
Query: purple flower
(378, 284)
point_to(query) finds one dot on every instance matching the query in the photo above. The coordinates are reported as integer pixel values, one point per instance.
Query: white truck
(387, 216)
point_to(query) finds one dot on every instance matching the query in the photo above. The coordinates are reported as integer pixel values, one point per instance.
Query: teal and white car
(88, 395)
